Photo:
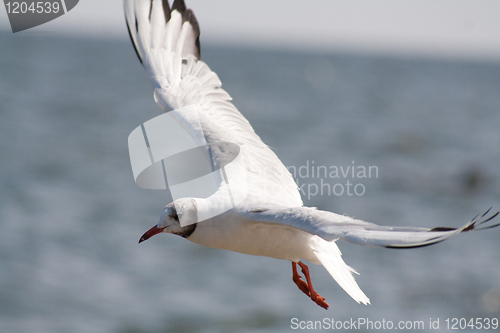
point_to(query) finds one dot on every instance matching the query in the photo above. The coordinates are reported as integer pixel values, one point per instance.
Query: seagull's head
(181, 209)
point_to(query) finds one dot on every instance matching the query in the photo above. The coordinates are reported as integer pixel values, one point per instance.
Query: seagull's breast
(255, 238)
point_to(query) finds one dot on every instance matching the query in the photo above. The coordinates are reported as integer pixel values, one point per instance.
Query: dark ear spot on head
(173, 214)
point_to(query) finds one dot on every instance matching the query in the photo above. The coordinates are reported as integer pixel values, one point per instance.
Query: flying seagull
(271, 220)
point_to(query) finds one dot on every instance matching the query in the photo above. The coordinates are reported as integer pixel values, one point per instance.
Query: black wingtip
(475, 222)
(150, 10)
(442, 229)
(489, 219)
(188, 15)
(166, 10)
(179, 5)
(486, 212)
(472, 225)
(132, 39)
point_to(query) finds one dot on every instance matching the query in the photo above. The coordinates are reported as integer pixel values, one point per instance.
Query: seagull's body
(238, 234)
(271, 221)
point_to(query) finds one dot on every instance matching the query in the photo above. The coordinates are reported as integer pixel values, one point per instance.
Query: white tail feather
(330, 257)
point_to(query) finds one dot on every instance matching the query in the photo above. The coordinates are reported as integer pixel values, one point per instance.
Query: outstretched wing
(166, 40)
(331, 226)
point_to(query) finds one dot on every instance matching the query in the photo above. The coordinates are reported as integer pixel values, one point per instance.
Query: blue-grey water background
(71, 215)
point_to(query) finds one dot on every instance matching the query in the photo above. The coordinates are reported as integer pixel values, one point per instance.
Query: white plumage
(271, 221)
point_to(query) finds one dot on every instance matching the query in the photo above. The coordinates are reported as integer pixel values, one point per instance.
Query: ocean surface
(423, 137)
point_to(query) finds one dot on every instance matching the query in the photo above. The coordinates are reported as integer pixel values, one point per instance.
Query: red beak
(150, 233)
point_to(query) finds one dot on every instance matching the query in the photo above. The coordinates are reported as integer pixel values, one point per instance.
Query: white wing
(331, 226)
(167, 43)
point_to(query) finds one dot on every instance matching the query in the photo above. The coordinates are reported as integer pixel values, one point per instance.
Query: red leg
(298, 281)
(312, 293)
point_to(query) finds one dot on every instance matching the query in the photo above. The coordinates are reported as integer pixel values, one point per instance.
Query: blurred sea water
(71, 215)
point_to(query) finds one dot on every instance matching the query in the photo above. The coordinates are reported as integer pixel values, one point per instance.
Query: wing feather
(331, 227)
(166, 41)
